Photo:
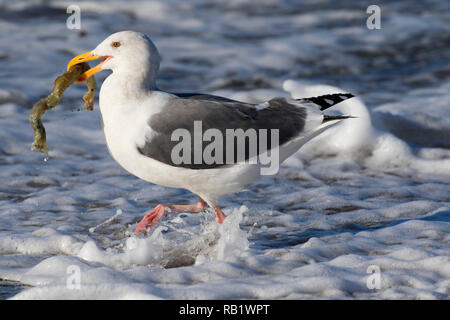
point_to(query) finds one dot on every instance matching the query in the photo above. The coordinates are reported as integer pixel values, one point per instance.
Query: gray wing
(221, 114)
(203, 97)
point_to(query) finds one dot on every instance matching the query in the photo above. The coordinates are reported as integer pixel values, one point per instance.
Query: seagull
(143, 126)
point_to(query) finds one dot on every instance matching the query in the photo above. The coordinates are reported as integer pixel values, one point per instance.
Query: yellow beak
(87, 56)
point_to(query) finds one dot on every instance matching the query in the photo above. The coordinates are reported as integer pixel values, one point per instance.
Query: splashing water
(233, 240)
(118, 213)
(173, 246)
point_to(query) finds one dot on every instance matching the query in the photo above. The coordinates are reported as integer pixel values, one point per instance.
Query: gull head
(122, 52)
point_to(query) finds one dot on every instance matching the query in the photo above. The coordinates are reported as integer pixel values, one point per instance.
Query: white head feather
(133, 53)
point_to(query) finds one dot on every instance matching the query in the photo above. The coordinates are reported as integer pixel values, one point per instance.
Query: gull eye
(115, 44)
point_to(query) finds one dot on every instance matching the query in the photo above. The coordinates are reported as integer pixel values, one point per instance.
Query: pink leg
(220, 216)
(151, 218)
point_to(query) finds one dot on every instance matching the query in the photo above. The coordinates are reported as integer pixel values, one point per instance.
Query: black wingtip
(327, 118)
(328, 100)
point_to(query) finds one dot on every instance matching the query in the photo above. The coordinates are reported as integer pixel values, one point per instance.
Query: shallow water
(9, 289)
(373, 191)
